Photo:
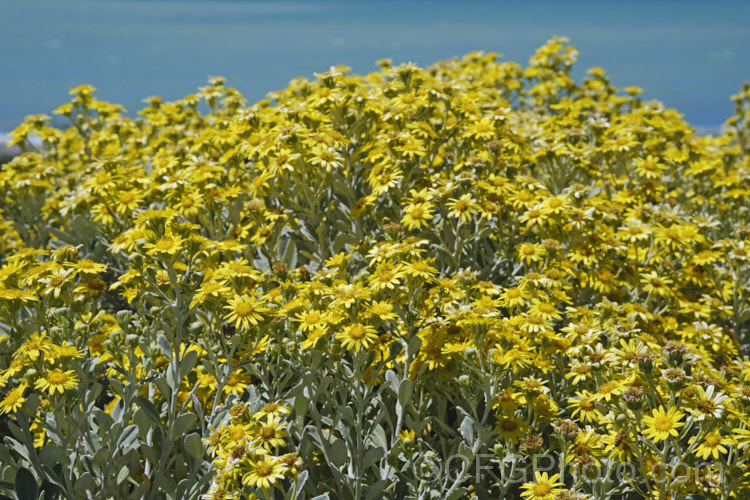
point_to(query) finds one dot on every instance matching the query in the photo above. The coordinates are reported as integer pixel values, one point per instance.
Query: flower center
(587, 405)
(263, 470)
(165, 243)
(541, 489)
(712, 440)
(663, 424)
(508, 425)
(12, 398)
(706, 406)
(357, 332)
(237, 433)
(268, 432)
(270, 407)
(607, 387)
(546, 308)
(244, 309)
(56, 377)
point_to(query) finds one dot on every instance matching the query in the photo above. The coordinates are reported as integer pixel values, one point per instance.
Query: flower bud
(60, 313)
(123, 318)
(633, 397)
(674, 377)
(646, 364)
(31, 375)
(622, 419)
(675, 353)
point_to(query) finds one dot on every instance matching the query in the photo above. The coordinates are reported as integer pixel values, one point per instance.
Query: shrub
(476, 279)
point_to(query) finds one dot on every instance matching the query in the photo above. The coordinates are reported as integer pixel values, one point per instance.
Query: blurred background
(691, 54)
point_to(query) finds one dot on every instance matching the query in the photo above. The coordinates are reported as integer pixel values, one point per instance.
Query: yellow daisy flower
(237, 382)
(712, 445)
(462, 208)
(511, 428)
(544, 488)
(57, 380)
(313, 337)
(264, 473)
(357, 336)
(585, 406)
(13, 400)
(662, 424)
(416, 215)
(245, 311)
(168, 244)
(271, 433)
(272, 409)
(311, 320)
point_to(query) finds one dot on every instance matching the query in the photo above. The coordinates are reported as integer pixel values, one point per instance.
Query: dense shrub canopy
(406, 284)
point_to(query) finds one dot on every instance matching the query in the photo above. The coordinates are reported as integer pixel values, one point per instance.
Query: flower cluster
(364, 286)
(242, 446)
